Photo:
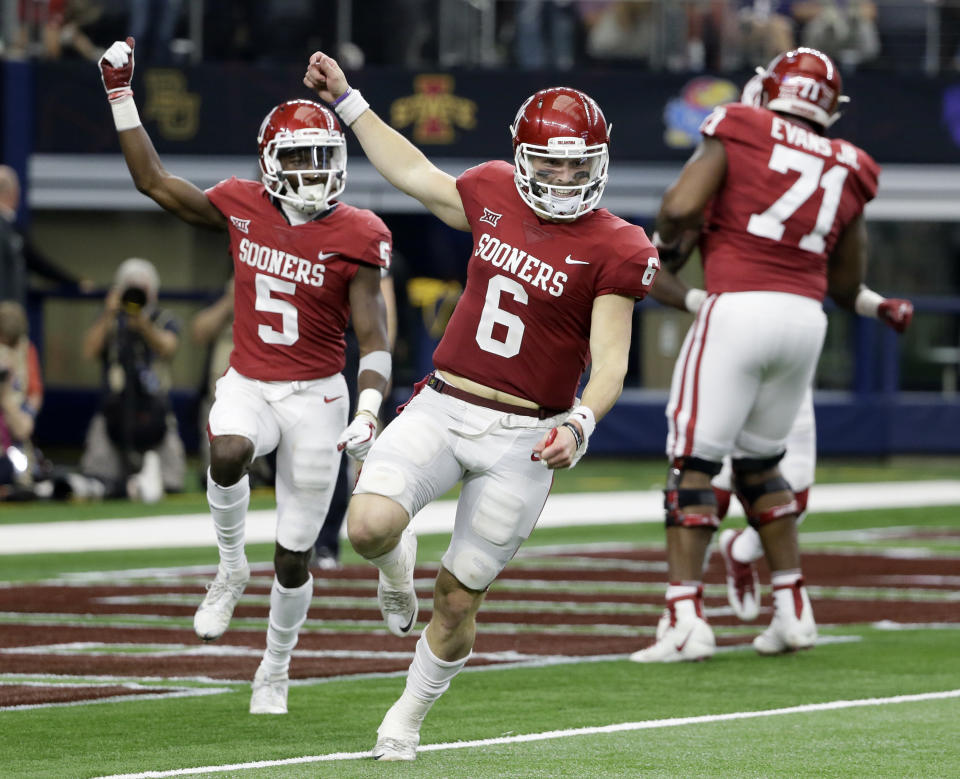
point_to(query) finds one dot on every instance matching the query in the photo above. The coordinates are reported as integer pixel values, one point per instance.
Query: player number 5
(288, 312)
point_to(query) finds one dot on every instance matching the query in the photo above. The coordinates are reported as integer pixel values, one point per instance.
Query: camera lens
(134, 296)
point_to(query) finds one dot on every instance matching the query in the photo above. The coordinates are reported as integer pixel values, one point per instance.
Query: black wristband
(577, 435)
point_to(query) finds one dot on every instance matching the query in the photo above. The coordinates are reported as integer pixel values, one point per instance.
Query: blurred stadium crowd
(680, 35)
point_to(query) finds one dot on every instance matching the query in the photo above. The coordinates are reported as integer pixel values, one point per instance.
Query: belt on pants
(444, 388)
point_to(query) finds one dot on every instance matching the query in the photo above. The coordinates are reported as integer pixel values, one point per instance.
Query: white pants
(799, 463)
(741, 374)
(302, 421)
(439, 440)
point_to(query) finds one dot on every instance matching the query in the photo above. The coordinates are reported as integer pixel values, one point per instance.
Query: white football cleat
(400, 607)
(683, 635)
(397, 737)
(793, 626)
(269, 692)
(743, 583)
(213, 616)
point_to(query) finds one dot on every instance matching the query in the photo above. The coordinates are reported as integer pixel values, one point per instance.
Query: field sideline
(100, 674)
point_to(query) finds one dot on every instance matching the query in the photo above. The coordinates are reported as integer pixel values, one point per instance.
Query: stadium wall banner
(216, 109)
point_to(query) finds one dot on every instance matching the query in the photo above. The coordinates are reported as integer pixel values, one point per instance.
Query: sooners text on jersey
(522, 324)
(787, 196)
(291, 284)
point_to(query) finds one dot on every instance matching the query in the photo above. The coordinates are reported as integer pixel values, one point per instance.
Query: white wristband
(584, 416)
(350, 105)
(868, 302)
(125, 115)
(378, 362)
(368, 401)
(694, 299)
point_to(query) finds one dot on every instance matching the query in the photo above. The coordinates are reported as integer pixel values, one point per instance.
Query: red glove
(116, 70)
(896, 312)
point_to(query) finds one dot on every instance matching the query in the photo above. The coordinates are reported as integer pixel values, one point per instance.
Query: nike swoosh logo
(570, 261)
(681, 645)
(330, 400)
(406, 628)
(321, 256)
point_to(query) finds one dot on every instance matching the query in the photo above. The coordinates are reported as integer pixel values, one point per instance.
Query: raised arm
(176, 195)
(398, 161)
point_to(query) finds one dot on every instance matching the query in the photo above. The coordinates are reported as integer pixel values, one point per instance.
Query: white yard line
(196, 530)
(624, 727)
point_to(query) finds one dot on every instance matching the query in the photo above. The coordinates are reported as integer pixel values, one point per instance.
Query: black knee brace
(751, 493)
(676, 498)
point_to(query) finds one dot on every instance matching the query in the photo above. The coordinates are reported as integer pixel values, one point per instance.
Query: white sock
(747, 547)
(785, 578)
(228, 505)
(682, 590)
(395, 571)
(428, 678)
(288, 612)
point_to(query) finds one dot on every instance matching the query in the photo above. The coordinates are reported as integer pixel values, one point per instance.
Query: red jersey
(787, 196)
(291, 282)
(522, 324)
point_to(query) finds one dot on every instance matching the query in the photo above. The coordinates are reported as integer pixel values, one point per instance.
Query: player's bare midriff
(468, 385)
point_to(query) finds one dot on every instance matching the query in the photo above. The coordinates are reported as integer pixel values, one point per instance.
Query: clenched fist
(896, 312)
(359, 436)
(325, 77)
(116, 69)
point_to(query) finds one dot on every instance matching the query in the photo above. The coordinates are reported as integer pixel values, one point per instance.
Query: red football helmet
(303, 155)
(805, 83)
(552, 128)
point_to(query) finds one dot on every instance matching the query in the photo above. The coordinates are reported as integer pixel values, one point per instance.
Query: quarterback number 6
(492, 315)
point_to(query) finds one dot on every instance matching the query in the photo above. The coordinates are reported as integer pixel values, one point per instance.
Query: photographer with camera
(21, 393)
(133, 445)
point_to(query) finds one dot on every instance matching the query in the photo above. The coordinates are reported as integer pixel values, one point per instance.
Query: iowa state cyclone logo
(434, 111)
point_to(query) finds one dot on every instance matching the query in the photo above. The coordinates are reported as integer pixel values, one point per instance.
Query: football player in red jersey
(784, 226)
(303, 264)
(740, 549)
(551, 283)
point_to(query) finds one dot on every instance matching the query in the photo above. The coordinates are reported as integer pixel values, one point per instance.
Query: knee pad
(749, 494)
(676, 498)
(475, 568)
(497, 516)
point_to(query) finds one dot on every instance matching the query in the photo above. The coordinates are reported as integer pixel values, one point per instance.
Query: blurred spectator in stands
(711, 36)
(621, 30)
(18, 255)
(21, 394)
(153, 24)
(133, 445)
(546, 34)
(50, 27)
(844, 29)
(765, 30)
